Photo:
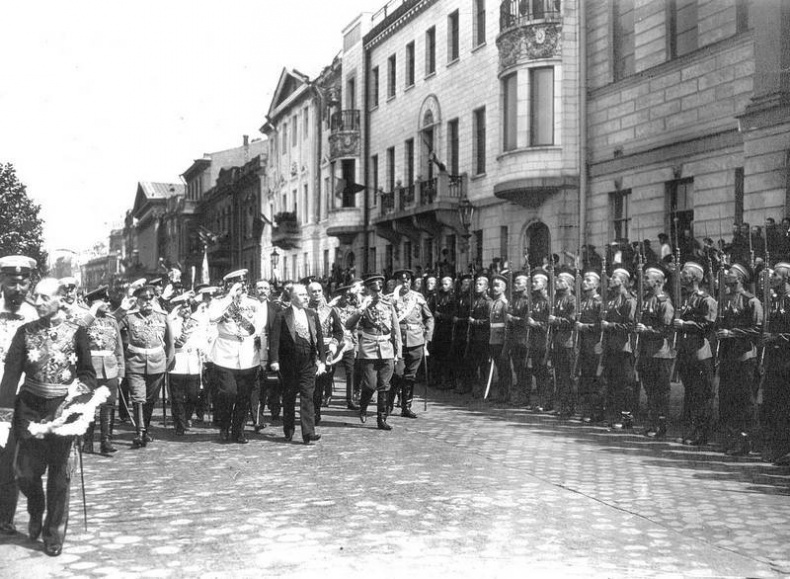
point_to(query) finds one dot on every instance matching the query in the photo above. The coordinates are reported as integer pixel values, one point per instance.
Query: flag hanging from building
(343, 187)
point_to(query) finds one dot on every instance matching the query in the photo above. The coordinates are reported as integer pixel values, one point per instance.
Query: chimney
(246, 140)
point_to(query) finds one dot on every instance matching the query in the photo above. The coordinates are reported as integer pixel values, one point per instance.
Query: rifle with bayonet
(576, 338)
(551, 291)
(604, 309)
(640, 296)
(676, 299)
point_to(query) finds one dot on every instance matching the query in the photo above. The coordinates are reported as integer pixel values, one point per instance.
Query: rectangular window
(285, 137)
(408, 159)
(306, 209)
(510, 111)
(327, 193)
(479, 152)
(739, 190)
(682, 27)
(479, 247)
(452, 146)
(351, 94)
(407, 254)
(294, 130)
(348, 168)
(392, 76)
(305, 265)
(741, 15)
(621, 215)
(503, 242)
(388, 258)
(680, 198)
(623, 39)
(430, 51)
(390, 169)
(479, 25)
(374, 178)
(453, 42)
(541, 106)
(374, 87)
(325, 271)
(410, 64)
(372, 259)
(305, 123)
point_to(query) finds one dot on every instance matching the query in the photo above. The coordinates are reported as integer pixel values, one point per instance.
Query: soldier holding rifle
(518, 334)
(588, 329)
(695, 319)
(738, 331)
(538, 322)
(562, 323)
(618, 361)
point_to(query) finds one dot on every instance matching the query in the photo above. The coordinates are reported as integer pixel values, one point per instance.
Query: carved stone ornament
(294, 169)
(344, 145)
(530, 42)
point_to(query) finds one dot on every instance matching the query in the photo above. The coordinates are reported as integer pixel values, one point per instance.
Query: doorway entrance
(537, 240)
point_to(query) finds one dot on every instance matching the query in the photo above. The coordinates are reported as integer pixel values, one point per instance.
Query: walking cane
(164, 399)
(82, 478)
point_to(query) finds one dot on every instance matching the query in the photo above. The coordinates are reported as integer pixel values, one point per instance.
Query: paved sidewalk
(463, 491)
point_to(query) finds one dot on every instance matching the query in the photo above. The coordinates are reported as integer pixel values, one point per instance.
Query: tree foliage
(21, 228)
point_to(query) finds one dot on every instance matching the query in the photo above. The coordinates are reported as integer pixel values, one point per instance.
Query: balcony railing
(520, 12)
(423, 193)
(342, 121)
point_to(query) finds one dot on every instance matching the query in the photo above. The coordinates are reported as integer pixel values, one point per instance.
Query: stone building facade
(688, 116)
(482, 103)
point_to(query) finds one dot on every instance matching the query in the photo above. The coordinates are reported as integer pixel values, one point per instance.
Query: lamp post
(465, 213)
(275, 257)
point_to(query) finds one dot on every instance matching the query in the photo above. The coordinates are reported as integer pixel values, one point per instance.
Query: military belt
(138, 350)
(102, 353)
(497, 324)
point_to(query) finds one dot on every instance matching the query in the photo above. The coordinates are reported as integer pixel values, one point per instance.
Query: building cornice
(405, 13)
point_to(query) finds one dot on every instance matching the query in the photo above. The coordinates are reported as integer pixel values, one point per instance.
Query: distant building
(149, 205)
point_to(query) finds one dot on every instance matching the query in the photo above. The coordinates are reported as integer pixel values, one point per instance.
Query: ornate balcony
(345, 223)
(344, 134)
(427, 205)
(286, 233)
(528, 30)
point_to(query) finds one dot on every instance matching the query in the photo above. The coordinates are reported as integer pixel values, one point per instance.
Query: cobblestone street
(464, 491)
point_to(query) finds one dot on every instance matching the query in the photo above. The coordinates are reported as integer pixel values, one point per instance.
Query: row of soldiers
(592, 339)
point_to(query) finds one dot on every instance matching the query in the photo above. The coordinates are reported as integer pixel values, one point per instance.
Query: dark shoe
(7, 529)
(327, 401)
(241, 439)
(381, 423)
(311, 438)
(87, 446)
(34, 527)
(180, 432)
(224, 435)
(289, 435)
(147, 438)
(363, 416)
(741, 445)
(626, 422)
(783, 460)
(138, 442)
(407, 413)
(107, 447)
(259, 427)
(317, 420)
(352, 406)
(53, 549)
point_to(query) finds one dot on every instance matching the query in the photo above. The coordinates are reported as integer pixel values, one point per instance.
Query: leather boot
(390, 398)
(660, 431)
(407, 393)
(381, 414)
(87, 438)
(147, 414)
(139, 440)
(106, 419)
(363, 404)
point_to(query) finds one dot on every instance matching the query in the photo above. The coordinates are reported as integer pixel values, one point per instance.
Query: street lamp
(275, 257)
(465, 213)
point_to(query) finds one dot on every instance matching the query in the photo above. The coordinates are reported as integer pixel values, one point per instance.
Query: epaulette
(749, 295)
(421, 299)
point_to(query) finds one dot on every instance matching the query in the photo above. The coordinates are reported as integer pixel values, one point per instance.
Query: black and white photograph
(395, 288)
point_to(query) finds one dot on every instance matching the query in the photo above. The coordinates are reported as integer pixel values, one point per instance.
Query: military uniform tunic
(656, 354)
(618, 361)
(775, 416)
(695, 363)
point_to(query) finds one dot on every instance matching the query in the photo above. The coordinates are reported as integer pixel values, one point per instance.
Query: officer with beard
(15, 272)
